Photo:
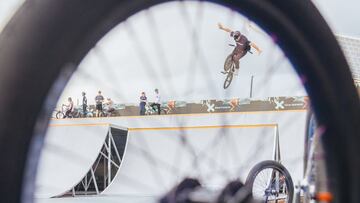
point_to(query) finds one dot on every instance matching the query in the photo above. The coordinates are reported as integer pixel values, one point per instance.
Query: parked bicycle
(76, 113)
(150, 110)
(107, 111)
(61, 113)
(269, 180)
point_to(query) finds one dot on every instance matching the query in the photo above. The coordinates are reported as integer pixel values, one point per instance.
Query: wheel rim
(228, 80)
(270, 184)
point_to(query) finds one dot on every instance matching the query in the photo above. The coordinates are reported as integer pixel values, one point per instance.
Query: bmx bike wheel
(270, 181)
(228, 79)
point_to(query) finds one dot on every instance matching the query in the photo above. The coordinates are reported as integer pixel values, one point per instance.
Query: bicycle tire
(269, 164)
(306, 39)
(59, 115)
(228, 79)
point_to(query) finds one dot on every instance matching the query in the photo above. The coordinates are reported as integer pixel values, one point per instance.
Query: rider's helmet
(156, 90)
(237, 35)
(83, 93)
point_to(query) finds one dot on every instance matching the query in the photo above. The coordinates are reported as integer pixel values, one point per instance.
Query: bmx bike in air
(232, 64)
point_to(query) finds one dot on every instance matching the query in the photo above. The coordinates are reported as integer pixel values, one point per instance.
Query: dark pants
(67, 114)
(99, 107)
(158, 107)
(238, 53)
(84, 108)
(142, 108)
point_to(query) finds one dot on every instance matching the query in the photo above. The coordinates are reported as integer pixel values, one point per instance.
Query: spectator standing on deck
(99, 100)
(157, 101)
(84, 103)
(143, 101)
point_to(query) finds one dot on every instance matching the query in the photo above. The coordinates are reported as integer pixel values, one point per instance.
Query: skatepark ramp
(161, 150)
(79, 159)
(157, 158)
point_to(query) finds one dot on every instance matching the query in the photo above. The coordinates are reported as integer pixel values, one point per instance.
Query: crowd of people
(109, 109)
(99, 101)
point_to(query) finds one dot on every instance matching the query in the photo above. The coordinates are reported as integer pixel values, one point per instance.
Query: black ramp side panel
(120, 137)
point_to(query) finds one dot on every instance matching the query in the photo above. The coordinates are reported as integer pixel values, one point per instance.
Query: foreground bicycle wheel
(60, 33)
(270, 182)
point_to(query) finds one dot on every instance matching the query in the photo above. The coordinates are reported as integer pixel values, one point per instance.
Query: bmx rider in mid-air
(243, 45)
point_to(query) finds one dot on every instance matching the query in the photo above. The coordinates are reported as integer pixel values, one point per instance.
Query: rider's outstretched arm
(252, 44)
(221, 27)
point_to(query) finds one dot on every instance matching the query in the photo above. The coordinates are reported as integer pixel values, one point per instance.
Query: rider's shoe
(224, 72)
(236, 71)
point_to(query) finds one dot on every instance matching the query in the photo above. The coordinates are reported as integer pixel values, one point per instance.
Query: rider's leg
(236, 59)
(237, 66)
